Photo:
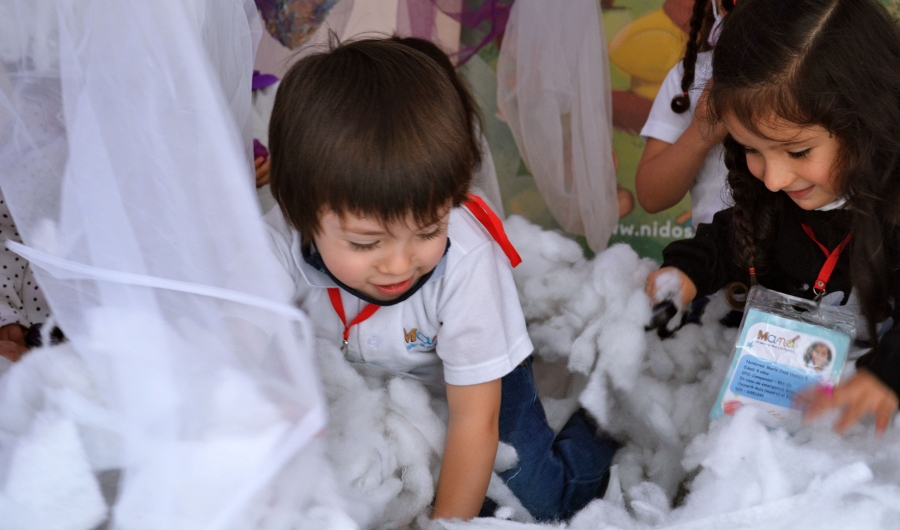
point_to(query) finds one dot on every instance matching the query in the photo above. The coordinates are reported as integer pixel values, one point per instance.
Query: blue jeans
(556, 475)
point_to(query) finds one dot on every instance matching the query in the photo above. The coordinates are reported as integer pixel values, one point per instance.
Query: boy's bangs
(400, 183)
(399, 153)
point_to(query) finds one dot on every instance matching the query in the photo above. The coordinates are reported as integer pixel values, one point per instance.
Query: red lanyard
(494, 226)
(831, 259)
(483, 213)
(335, 295)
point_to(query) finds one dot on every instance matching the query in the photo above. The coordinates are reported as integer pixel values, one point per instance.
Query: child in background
(264, 87)
(23, 303)
(372, 156)
(683, 151)
(809, 92)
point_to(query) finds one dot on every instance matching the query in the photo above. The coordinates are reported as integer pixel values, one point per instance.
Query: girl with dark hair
(683, 151)
(809, 92)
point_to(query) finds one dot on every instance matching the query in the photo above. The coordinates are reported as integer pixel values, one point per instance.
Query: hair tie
(681, 103)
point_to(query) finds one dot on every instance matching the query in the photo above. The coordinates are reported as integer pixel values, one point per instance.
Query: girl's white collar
(834, 205)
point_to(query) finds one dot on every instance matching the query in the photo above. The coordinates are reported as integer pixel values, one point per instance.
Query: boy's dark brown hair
(370, 127)
(459, 83)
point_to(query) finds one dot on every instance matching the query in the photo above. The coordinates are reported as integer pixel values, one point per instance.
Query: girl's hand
(863, 394)
(665, 288)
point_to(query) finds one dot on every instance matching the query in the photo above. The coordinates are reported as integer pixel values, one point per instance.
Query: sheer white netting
(187, 388)
(553, 90)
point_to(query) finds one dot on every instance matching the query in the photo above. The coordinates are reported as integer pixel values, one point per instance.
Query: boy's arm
(469, 451)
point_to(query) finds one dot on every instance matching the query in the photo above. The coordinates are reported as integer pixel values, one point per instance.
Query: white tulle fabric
(188, 381)
(553, 90)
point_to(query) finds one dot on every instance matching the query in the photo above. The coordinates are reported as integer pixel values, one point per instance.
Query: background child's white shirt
(21, 300)
(466, 320)
(709, 193)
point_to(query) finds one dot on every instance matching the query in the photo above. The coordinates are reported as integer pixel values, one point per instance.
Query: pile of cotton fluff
(655, 395)
(586, 318)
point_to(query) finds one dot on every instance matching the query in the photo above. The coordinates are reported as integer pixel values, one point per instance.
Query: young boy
(372, 157)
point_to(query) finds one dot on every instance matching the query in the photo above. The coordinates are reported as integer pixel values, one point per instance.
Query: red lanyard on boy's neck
(335, 295)
(483, 213)
(831, 259)
(494, 226)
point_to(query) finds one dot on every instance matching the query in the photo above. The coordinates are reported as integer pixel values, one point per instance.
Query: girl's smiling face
(799, 160)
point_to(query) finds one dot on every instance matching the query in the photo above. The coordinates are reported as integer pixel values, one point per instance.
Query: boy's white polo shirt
(466, 319)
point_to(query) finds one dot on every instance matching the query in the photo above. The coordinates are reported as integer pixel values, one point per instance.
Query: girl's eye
(799, 154)
(363, 247)
(749, 150)
(433, 235)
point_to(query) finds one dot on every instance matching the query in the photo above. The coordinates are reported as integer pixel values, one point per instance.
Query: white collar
(833, 205)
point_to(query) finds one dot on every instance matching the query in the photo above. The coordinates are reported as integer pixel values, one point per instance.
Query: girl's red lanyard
(483, 213)
(831, 259)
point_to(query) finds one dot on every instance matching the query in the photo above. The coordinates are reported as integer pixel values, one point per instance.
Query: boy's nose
(396, 262)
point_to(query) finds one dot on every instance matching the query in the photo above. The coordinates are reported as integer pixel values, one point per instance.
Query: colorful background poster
(645, 38)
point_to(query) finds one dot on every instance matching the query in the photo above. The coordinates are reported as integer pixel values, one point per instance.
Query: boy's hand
(262, 170)
(863, 394)
(470, 450)
(662, 285)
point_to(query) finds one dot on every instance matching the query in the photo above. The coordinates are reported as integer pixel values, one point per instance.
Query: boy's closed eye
(363, 246)
(433, 232)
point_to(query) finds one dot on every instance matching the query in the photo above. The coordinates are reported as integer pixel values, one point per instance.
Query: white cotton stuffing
(377, 462)
(668, 286)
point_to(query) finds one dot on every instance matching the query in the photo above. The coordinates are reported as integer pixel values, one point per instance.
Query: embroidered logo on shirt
(416, 339)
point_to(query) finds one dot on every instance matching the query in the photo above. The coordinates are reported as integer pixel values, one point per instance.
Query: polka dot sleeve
(21, 300)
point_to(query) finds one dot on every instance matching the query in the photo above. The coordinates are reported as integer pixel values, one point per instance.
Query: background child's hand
(12, 350)
(12, 341)
(262, 171)
(711, 133)
(863, 394)
(663, 284)
(13, 333)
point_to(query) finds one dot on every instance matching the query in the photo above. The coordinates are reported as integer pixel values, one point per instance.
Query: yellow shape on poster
(646, 49)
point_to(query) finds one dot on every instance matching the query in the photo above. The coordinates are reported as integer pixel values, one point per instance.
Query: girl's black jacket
(709, 261)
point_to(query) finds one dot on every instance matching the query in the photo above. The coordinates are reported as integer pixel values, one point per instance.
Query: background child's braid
(682, 102)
